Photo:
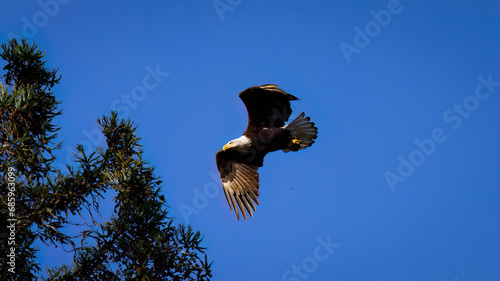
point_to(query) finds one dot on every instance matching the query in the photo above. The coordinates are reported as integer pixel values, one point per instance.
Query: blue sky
(402, 183)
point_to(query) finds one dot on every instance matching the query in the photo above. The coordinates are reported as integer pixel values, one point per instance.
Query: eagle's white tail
(303, 133)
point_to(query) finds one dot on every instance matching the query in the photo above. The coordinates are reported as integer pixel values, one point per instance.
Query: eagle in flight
(238, 161)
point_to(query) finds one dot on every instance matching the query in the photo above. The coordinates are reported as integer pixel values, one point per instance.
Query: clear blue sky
(403, 182)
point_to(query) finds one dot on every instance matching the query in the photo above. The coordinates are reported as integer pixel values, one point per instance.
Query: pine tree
(138, 242)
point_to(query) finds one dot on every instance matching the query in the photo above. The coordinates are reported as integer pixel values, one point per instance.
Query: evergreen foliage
(138, 242)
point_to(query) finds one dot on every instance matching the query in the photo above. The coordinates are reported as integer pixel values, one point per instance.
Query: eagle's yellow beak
(226, 147)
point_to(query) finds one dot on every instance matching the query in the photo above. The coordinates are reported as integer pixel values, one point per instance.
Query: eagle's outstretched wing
(267, 105)
(240, 182)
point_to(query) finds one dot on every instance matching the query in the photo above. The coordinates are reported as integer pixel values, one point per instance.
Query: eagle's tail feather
(303, 133)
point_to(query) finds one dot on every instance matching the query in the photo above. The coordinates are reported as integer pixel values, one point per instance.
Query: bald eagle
(238, 161)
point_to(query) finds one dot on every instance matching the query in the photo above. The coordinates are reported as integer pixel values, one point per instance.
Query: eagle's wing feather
(240, 182)
(267, 105)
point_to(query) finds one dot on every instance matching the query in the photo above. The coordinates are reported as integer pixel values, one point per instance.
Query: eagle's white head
(242, 143)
